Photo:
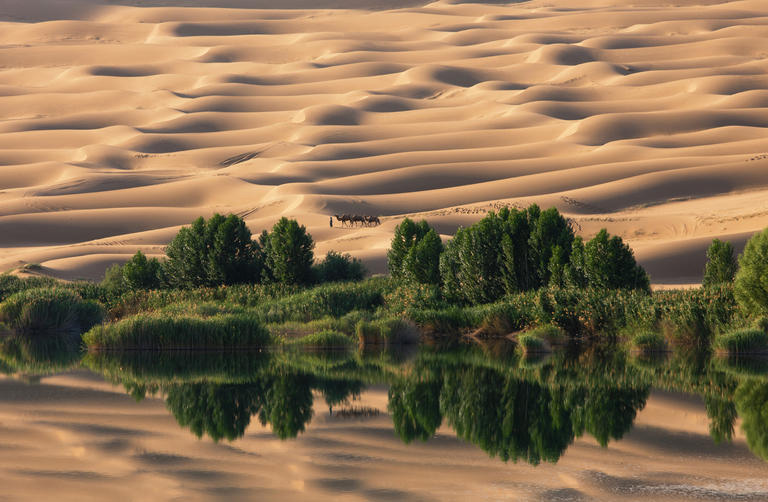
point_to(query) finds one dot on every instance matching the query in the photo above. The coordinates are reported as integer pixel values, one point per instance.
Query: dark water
(469, 423)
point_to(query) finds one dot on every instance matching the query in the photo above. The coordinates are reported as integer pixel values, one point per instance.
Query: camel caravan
(353, 219)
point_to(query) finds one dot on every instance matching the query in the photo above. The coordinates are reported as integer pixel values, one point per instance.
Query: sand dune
(122, 121)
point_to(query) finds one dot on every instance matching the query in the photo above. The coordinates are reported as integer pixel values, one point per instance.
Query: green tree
(422, 263)
(721, 264)
(288, 253)
(506, 253)
(604, 262)
(142, 273)
(211, 253)
(409, 258)
(751, 282)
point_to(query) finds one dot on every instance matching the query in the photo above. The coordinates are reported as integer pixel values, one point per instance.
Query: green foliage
(222, 411)
(752, 404)
(415, 408)
(114, 281)
(604, 262)
(532, 342)
(50, 310)
(140, 272)
(164, 332)
(324, 339)
(415, 253)
(751, 282)
(505, 253)
(337, 267)
(649, 341)
(288, 253)
(742, 341)
(213, 252)
(721, 264)
(10, 284)
(385, 332)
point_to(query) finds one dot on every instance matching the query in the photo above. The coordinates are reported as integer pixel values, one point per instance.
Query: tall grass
(50, 310)
(386, 332)
(163, 332)
(743, 341)
(327, 339)
(649, 341)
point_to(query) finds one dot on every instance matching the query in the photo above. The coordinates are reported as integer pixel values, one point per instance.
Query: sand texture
(121, 121)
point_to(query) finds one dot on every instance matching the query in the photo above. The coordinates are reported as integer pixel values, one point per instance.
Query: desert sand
(121, 121)
(81, 439)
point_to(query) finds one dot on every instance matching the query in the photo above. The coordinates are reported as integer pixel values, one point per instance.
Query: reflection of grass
(40, 354)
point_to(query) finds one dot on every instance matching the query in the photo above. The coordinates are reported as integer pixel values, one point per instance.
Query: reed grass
(327, 339)
(743, 341)
(649, 341)
(160, 331)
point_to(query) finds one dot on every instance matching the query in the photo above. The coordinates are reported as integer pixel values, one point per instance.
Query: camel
(351, 220)
(343, 219)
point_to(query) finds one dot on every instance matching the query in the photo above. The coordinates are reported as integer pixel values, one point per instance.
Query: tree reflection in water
(510, 408)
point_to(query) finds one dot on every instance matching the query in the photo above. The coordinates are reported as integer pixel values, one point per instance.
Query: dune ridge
(119, 122)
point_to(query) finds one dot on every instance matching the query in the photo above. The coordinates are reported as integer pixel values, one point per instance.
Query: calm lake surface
(471, 423)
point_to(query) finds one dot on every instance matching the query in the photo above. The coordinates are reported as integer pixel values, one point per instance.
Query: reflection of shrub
(531, 343)
(741, 341)
(752, 404)
(324, 339)
(162, 332)
(50, 309)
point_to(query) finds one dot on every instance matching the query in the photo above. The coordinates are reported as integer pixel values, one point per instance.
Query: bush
(742, 341)
(649, 341)
(721, 264)
(50, 309)
(324, 339)
(415, 253)
(386, 332)
(142, 273)
(288, 253)
(604, 263)
(163, 332)
(751, 282)
(211, 253)
(10, 284)
(337, 267)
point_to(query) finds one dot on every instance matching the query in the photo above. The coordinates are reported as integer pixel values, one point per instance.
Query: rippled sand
(121, 121)
(73, 437)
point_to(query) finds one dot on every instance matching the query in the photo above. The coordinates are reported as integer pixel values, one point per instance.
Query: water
(471, 423)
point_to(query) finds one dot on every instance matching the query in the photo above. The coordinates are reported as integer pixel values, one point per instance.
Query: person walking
(331, 221)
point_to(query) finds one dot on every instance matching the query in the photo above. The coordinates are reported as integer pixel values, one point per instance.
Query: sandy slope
(121, 122)
(73, 437)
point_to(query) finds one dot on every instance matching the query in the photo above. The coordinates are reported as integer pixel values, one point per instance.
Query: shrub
(213, 252)
(50, 309)
(10, 284)
(337, 267)
(721, 264)
(605, 263)
(288, 253)
(386, 332)
(648, 341)
(751, 282)
(160, 331)
(324, 339)
(142, 273)
(415, 253)
(741, 341)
